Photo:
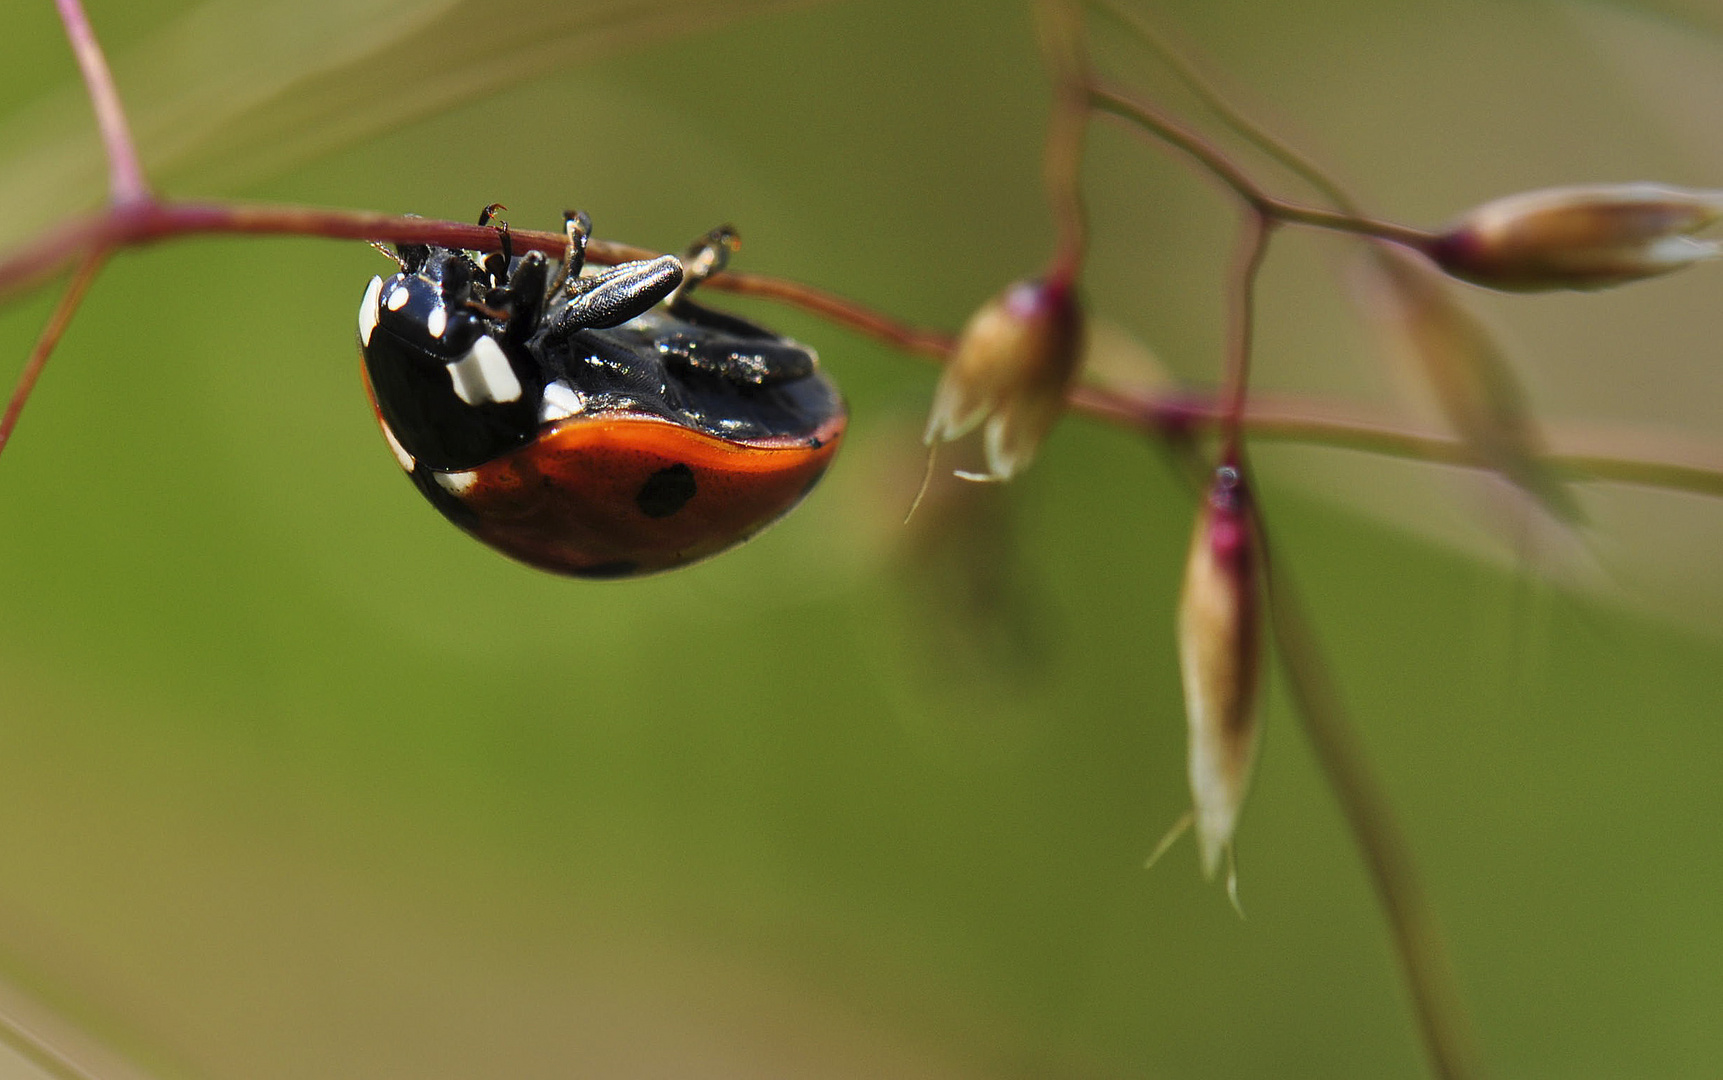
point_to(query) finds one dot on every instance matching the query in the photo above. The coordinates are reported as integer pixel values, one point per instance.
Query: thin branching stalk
(150, 221)
(1162, 127)
(1067, 126)
(126, 181)
(1163, 415)
(50, 336)
(1443, 1024)
(1252, 249)
(1203, 89)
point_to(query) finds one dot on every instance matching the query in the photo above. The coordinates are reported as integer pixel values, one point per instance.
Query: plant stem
(1198, 84)
(50, 336)
(126, 181)
(1253, 247)
(1442, 1021)
(1067, 125)
(1162, 415)
(1162, 127)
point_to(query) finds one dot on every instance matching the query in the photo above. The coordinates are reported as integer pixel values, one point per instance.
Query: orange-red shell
(619, 494)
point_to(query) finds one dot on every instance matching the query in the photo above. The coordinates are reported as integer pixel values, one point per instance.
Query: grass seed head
(1220, 639)
(1011, 371)
(1579, 237)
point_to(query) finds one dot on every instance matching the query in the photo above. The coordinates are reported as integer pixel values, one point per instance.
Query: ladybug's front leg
(615, 296)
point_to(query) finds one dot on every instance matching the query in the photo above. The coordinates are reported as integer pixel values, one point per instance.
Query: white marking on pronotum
(456, 483)
(437, 321)
(368, 311)
(401, 456)
(399, 296)
(484, 375)
(560, 401)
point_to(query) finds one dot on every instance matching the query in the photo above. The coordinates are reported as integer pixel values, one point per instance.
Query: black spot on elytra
(666, 491)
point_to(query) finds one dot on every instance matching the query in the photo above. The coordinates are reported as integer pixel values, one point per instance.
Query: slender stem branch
(141, 223)
(1168, 416)
(1394, 233)
(931, 344)
(1067, 125)
(50, 336)
(1154, 122)
(1200, 85)
(126, 181)
(1436, 1001)
(1170, 131)
(1580, 454)
(1253, 247)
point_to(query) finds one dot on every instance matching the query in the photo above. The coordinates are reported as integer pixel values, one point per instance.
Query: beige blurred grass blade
(1414, 306)
(38, 1044)
(237, 90)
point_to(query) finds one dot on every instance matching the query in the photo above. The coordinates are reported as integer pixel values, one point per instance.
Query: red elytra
(614, 495)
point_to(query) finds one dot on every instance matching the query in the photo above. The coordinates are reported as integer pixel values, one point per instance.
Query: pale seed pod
(1220, 652)
(1579, 237)
(1011, 371)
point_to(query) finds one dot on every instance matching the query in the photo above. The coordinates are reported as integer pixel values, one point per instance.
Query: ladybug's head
(451, 378)
(431, 308)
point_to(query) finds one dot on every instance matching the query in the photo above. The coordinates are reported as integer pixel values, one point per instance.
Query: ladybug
(593, 423)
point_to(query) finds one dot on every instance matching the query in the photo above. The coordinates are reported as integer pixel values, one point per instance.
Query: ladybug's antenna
(391, 253)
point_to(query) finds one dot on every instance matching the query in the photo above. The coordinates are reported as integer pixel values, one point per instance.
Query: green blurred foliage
(295, 780)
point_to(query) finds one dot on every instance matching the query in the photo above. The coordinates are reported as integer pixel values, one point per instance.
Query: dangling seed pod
(1012, 368)
(1220, 644)
(1579, 237)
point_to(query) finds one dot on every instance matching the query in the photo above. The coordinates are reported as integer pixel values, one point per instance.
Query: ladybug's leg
(524, 296)
(705, 257)
(615, 296)
(578, 228)
(497, 264)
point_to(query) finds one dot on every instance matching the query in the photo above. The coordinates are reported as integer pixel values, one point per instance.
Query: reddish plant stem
(1199, 85)
(126, 181)
(50, 336)
(1162, 127)
(1067, 126)
(1253, 247)
(921, 341)
(1578, 452)
(151, 220)
(1168, 416)
(1443, 1024)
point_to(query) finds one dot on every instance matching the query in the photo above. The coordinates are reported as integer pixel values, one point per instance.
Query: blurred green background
(297, 781)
